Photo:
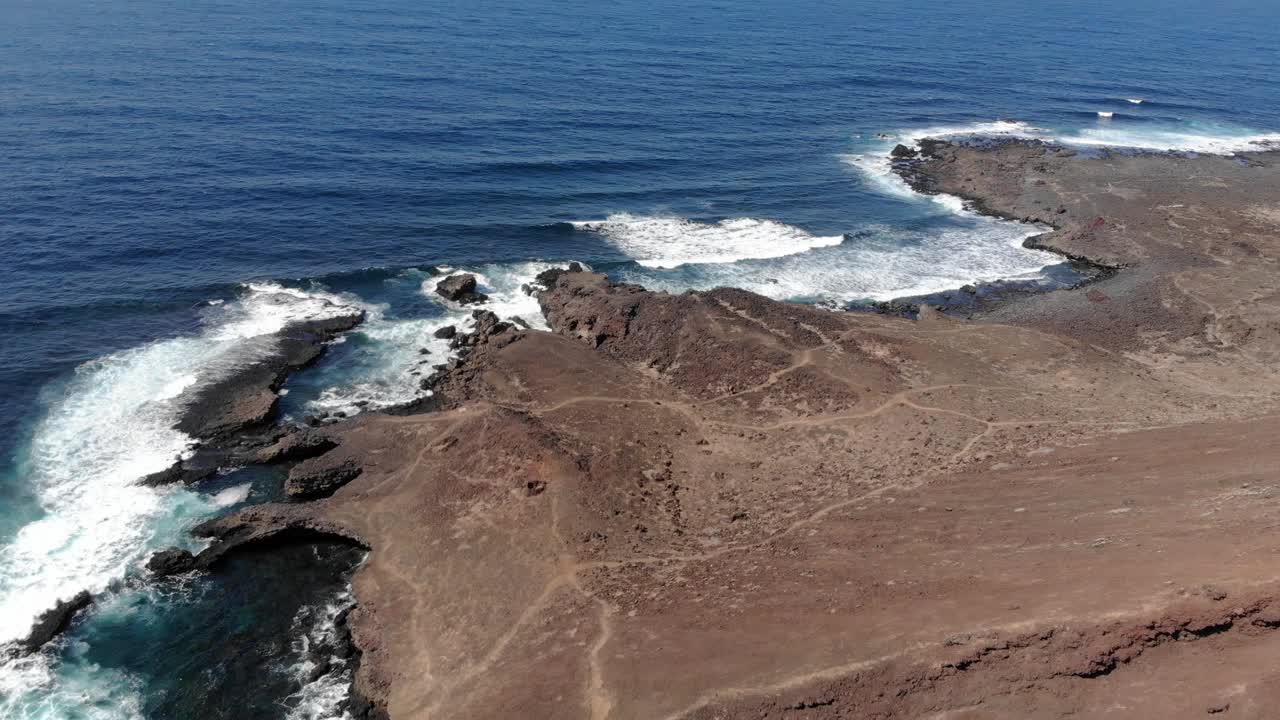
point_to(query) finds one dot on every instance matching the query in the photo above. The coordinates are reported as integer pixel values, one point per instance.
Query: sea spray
(668, 242)
(323, 660)
(384, 360)
(110, 424)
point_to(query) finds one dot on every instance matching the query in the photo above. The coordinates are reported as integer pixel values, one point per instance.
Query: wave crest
(669, 242)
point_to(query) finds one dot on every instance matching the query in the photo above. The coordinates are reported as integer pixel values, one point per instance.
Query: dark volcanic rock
(360, 707)
(547, 278)
(446, 332)
(168, 476)
(296, 446)
(247, 398)
(173, 561)
(930, 147)
(455, 286)
(460, 289)
(52, 622)
(487, 323)
(489, 333)
(320, 477)
(902, 152)
(265, 525)
(180, 471)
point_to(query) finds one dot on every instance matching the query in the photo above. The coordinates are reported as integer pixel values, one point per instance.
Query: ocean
(180, 179)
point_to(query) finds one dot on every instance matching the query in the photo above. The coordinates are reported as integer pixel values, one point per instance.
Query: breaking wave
(387, 358)
(668, 242)
(110, 424)
(877, 167)
(1173, 139)
(322, 670)
(877, 263)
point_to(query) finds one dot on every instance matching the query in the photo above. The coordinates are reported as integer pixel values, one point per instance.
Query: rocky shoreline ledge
(232, 421)
(714, 505)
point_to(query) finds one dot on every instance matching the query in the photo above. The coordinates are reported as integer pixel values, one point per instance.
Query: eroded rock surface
(247, 398)
(298, 445)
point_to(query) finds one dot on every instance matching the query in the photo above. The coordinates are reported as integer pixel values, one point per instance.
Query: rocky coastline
(232, 419)
(713, 504)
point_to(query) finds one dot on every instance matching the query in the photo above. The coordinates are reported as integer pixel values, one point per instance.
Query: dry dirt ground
(713, 505)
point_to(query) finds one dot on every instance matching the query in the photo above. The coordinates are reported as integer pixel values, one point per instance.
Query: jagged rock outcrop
(173, 561)
(460, 289)
(181, 471)
(902, 152)
(51, 623)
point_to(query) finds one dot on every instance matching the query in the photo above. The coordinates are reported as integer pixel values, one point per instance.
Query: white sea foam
(994, 129)
(876, 165)
(31, 688)
(667, 242)
(1135, 101)
(388, 368)
(109, 425)
(1174, 140)
(112, 425)
(232, 495)
(505, 284)
(176, 387)
(877, 168)
(320, 698)
(1105, 114)
(268, 308)
(878, 263)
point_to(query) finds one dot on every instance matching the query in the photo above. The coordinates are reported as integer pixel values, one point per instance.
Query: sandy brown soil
(714, 505)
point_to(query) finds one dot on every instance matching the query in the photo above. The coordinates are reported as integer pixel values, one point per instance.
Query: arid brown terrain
(714, 505)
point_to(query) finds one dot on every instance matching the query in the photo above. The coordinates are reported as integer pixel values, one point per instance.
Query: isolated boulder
(460, 289)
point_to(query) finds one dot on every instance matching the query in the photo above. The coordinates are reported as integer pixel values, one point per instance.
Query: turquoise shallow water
(182, 178)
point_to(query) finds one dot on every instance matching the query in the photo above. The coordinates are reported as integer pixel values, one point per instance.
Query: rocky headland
(715, 505)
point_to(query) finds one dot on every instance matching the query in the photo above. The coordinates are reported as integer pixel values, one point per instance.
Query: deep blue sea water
(179, 178)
